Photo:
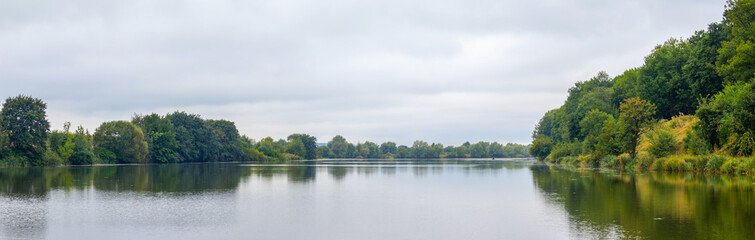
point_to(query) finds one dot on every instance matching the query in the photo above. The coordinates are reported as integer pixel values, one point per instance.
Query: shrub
(688, 163)
(626, 160)
(588, 160)
(570, 160)
(659, 164)
(610, 161)
(714, 163)
(694, 143)
(104, 155)
(662, 143)
(559, 151)
(52, 159)
(14, 161)
(81, 158)
(743, 145)
(643, 161)
(730, 166)
(747, 165)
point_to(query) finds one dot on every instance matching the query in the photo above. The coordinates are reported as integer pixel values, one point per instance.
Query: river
(371, 199)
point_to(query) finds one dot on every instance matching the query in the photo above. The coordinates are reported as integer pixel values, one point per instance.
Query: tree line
(706, 80)
(26, 140)
(338, 147)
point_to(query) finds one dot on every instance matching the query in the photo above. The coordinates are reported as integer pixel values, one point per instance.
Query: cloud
(443, 71)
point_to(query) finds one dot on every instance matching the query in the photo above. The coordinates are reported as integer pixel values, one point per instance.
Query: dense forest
(689, 107)
(26, 140)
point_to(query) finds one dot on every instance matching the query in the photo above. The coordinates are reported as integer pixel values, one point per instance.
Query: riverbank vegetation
(690, 107)
(178, 137)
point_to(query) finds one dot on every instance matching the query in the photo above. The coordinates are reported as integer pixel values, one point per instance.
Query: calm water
(370, 200)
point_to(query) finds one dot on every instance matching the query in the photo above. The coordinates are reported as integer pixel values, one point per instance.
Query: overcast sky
(441, 71)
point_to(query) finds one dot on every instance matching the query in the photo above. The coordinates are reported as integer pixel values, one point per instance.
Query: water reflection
(307, 171)
(652, 205)
(190, 200)
(138, 178)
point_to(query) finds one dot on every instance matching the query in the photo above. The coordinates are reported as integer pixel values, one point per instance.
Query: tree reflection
(654, 205)
(29, 182)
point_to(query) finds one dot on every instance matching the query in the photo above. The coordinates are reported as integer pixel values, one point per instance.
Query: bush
(559, 151)
(569, 160)
(694, 144)
(626, 160)
(714, 163)
(659, 164)
(743, 145)
(730, 166)
(81, 158)
(104, 155)
(610, 161)
(14, 161)
(662, 143)
(588, 160)
(52, 159)
(747, 165)
(643, 161)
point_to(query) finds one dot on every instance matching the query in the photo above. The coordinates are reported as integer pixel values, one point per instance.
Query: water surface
(351, 199)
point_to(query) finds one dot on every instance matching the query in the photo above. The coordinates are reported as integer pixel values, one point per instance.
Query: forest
(178, 137)
(689, 107)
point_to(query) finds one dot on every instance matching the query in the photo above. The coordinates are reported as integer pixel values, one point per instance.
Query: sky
(392, 70)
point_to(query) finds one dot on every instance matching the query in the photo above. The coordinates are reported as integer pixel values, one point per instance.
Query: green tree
(541, 147)
(323, 152)
(663, 83)
(495, 150)
(479, 150)
(403, 152)
(83, 152)
(197, 141)
(268, 147)
(420, 149)
(296, 147)
(124, 139)
(228, 147)
(388, 147)
(160, 136)
(436, 149)
(700, 68)
(373, 150)
(610, 141)
(310, 144)
(339, 147)
(736, 60)
(24, 122)
(592, 126)
(634, 114)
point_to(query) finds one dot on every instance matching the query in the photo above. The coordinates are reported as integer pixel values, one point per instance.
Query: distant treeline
(690, 107)
(25, 140)
(338, 147)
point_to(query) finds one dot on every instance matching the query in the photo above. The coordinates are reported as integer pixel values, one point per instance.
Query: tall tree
(160, 137)
(310, 144)
(197, 142)
(388, 147)
(296, 147)
(124, 139)
(228, 139)
(635, 114)
(663, 83)
(736, 60)
(339, 147)
(24, 122)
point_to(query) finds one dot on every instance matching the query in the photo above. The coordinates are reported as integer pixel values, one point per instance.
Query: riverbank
(711, 163)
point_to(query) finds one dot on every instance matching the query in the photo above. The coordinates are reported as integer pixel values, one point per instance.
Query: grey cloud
(444, 71)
